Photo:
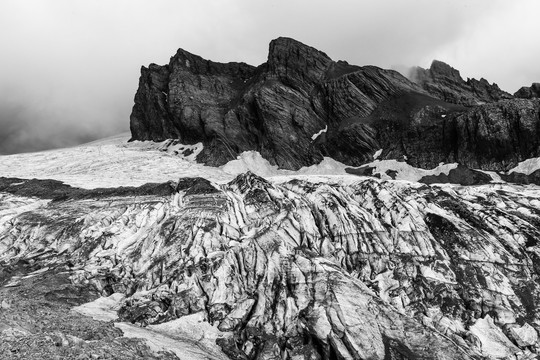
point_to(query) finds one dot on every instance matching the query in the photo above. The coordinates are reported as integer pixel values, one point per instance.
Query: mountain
(282, 106)
(304, 209)
(274, 109)
(444, 82)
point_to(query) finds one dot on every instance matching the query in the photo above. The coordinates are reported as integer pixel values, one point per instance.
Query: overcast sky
(69, 69)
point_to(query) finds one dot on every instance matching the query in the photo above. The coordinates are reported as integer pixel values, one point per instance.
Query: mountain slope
(274, 109)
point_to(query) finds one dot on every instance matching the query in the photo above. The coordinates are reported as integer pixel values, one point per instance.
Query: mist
(69, 68)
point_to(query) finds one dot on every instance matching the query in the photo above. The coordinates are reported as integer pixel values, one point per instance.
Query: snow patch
(377, 154)
(496, 178)
(114, 162)
(251, 161)
(527, 167)
(189, 337)
(525, 335)
(254, 162)
(193, 326)
(322, 131)
(102, 309)
(183, 348)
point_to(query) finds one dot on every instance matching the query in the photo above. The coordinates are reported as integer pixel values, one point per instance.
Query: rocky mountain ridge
(279, 107)
(446, 83)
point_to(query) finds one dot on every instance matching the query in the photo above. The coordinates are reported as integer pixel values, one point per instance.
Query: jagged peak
(182, 54)
(286, 45)
(286, 54)
(440, 68)
(197, 64)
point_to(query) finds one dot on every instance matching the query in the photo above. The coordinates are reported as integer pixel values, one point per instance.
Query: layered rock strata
(275, 108)
(301, 105)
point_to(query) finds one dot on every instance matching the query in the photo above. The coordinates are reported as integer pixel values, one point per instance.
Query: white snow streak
(315, 136)
(527, 167)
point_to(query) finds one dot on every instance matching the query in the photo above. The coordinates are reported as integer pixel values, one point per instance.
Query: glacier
(312, 264)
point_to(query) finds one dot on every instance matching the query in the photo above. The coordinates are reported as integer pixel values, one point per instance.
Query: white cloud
(75, 63)
(502, 48)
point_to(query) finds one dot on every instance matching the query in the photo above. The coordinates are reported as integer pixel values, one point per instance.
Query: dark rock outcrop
(520, 178)
(444, 82)
(58, 191)
(189, 99)
(461, 175)
(427, 131)
(530, 92)
(363, 171)
(494, 136)
(278, 107)
(408, 125)
(275, 108)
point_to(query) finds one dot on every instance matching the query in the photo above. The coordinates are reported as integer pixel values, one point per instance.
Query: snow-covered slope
(114, 162)
(105, 163)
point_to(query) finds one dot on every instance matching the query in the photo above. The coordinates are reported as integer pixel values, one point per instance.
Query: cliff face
(274, 109)
(494, 136)
(280, 108)
(498, 135)
(189, 99)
